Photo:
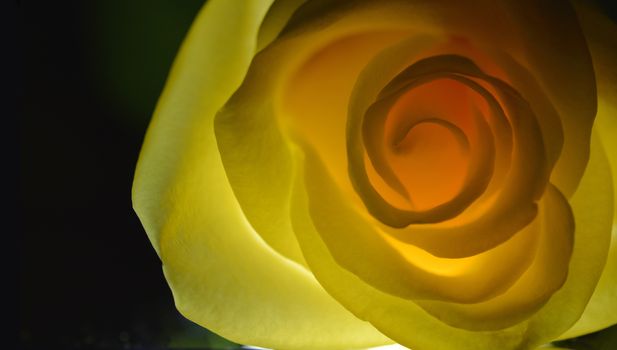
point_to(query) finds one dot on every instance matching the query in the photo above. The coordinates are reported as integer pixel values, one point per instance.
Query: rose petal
(593, 206)
(251, 191)
(271, 157)
(599, 312)
(518, 194)
(253, 147)
(222, 275)
(546, 275)
(278, 14)
(543, 36)
(373, 123)
(554, 50)
(514, 205)
(407, 323)
(360, 248)
(600, 32)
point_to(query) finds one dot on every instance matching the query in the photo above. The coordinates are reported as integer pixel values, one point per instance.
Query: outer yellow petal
(399, 319)
(222, 274)
(601, 32)
(359, 248)
(600, 312)
(253, 147)
(556, 54)
(545, 276)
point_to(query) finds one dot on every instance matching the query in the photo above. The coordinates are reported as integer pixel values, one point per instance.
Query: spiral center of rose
(426, 144)
(426, 141)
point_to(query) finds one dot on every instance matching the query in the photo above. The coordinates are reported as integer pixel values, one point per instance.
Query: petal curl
(361, 248)
(222, 274)
(600, 313)
(316, 23)
(278, 14)
(547, 273)
(554, 48)
(523, 183)
(545, 37)
(405, 322)
(600, 32)
(496, 35)
(254, 149)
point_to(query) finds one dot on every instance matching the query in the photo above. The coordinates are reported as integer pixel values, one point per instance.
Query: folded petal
(253, 135)
(554, 49)
(278, 14)
(407, 323)
(600, 32)
(222, 274)
(360, 247)
(546, 274)
(514, 205)
(256, 142)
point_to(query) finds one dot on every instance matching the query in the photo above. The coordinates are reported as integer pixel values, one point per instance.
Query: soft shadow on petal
(514, 206)
(279, 13)
(359, 247)
(397, 320)
(592, 205)
(542, 36)
(547, 273)
(601, 32)
(554, 50)
(251, 137)
(405, 322)
(401, 319)
(222, 274)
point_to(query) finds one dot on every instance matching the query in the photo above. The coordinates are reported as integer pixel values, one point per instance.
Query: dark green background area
(92, 72)
(88, 278)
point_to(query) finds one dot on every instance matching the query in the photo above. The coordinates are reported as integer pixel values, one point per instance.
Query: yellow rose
(347, 174)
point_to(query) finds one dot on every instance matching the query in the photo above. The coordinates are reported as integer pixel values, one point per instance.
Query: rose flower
(347, 174)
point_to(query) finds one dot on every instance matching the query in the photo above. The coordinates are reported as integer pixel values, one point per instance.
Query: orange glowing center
(427, 132)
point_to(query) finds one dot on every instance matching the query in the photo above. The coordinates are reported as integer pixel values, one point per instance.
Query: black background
(91, 72)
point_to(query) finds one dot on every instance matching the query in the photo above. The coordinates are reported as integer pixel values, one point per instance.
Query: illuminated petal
(545, 31)
(546, 275)
(252, 180)
(515, 205)
(535, 34)
(316, 97)
(593, 207)
(405, 322)
(278, 14)
(352, 243)
(601, 32)
(548, 119)
(254, 149)
(373, 132)
(222, 274)
(600, 310)
(360, 248)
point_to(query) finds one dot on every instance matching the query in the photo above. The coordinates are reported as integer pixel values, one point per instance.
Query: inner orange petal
(314, 106)
(431, 157)
(432, 165)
